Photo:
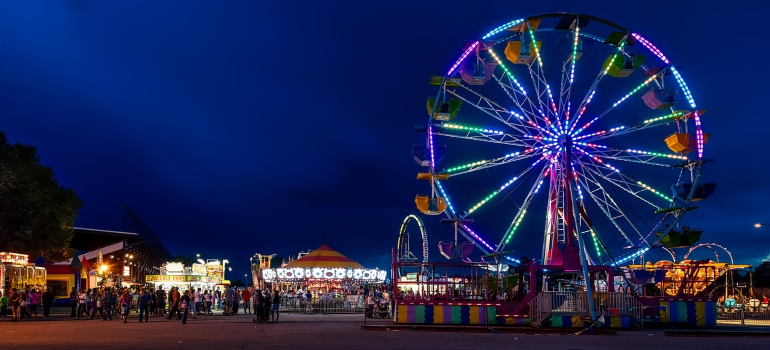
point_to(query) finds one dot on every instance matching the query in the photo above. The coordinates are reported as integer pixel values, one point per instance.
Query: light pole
(224, 264)
(758, 225)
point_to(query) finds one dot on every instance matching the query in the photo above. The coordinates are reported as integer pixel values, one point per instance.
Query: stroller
(382, 310)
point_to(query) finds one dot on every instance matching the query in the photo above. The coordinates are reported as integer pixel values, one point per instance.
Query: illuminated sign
(373, 275)
(199, 269)
(174, 268)
(13, 258)
(126, 270)
(167, 278)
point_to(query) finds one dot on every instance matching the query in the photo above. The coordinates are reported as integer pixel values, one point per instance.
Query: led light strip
(446, 198)
(646, 82)
(481, 162)
(472, 128)
(684, 87)
(574, 53)
(462, 58)
(430, 139)
(515, 226)
(632, 256)
(502, 28)
(507, 72)
(645, 186)
(650, 47)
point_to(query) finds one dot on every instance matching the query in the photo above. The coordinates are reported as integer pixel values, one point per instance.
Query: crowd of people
(106, 302)
(24, 303)
(180, 304)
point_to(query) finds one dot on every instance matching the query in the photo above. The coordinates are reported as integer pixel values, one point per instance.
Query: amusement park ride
(583, 143)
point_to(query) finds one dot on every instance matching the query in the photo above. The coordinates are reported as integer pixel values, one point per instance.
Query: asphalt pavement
(314, 332)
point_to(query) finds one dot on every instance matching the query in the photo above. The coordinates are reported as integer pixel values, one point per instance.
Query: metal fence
(576, 303)
(320, 306)
(743, 315)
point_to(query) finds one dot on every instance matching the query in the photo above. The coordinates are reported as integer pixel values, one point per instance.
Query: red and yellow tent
(324, 257)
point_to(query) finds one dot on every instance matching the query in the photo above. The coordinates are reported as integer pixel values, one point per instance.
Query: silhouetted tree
(36, 214)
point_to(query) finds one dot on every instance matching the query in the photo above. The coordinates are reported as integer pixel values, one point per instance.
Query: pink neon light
(477, 237)
(462, 58)
(698, 135)
(650, 47)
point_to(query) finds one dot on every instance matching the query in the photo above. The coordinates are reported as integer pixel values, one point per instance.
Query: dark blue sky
(235, 127)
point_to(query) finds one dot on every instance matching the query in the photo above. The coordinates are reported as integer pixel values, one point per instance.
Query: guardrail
(743, 315)
(320, 306)
(576, 303)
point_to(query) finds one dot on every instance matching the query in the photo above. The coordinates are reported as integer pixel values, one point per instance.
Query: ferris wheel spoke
(504, 139)
(510, 118)
(634, 188)
(646, 82)
(513, 92)
(592, 90)
(503, 187)
(568, 76)
(631, 155)
(473, 132)
(522, 211)
(489, 163)
(627, 129)
(608, 205)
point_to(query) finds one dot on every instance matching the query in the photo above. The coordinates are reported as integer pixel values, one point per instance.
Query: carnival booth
(175, 274)
(17, 272)
(323, 270)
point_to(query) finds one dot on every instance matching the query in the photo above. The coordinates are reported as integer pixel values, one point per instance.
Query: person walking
(258, 305)
(125, 304)
(174, 303)
(107, 305)
(160, 295)
(276, 305)
(15, 302)
(48, 298)
(34, 300)
(3, 304)
(246, 295)
(198, 302)
(81, 304)
(185, 306)
(207, 302)
(370, 305)
(144, 305)
(229, 294)
(236, 300)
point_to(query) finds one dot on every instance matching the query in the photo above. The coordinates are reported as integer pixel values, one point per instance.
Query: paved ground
(316, 332)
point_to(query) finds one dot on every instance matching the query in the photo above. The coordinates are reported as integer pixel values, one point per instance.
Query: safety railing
(576, 303)
(320, 306)
(743, 315)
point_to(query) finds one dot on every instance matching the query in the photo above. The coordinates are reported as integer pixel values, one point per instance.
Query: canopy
(324, 257)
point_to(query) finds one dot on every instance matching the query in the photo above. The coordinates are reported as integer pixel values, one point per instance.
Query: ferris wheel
(570, 120)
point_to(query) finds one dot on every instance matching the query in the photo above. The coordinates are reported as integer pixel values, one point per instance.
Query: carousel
(323, 270)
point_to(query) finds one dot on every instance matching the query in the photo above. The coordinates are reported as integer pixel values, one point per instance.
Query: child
(3, 304)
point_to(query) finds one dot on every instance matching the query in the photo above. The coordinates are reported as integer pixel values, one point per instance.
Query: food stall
(17, 272)
(175, 274)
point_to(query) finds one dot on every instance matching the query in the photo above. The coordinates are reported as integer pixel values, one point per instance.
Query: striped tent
(324, 257)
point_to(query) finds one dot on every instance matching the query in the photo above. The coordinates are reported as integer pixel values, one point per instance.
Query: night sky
(237, 127)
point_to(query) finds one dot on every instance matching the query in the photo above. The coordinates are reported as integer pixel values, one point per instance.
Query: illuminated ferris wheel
(569, 119)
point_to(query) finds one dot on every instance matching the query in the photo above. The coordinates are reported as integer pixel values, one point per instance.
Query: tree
(762, 275)
(36, 214)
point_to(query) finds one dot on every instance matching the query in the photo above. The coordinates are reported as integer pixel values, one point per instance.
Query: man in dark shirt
(144, 304)
(160, 295)
(48, 298)
(73, 302)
